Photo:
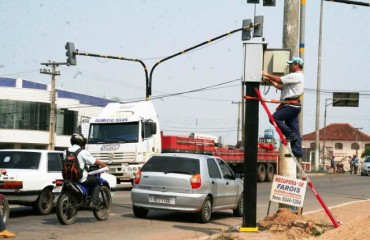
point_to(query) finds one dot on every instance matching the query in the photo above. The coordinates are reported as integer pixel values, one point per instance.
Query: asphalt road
(122, 224)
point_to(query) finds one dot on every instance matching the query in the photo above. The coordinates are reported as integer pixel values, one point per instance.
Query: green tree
(366, 152)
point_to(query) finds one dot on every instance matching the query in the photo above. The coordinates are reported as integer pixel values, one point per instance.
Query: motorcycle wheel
(105, 202)
(4, 209)
(66, 209)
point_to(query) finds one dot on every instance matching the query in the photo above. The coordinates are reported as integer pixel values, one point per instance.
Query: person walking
(286, 114)
(355, 163)
(332, 164)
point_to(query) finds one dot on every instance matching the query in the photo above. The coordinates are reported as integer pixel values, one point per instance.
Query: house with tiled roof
(337, 139)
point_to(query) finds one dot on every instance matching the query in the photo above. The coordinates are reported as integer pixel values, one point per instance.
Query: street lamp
(324, 138)
(357, 142)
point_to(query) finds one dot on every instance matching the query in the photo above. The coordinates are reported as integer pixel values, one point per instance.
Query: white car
(34, 177)
(365, 168)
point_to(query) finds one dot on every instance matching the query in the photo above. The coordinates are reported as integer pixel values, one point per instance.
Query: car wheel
(205, 213)
(44, 203)
(238, 212)
(140, 212)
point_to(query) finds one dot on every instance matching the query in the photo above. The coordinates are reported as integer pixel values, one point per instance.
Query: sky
(35, 32)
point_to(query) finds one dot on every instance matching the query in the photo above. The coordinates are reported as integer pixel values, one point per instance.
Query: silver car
(184, 182)
(365, 168)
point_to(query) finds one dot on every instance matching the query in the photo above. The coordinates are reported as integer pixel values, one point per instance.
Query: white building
(25, 114)
(338, 140)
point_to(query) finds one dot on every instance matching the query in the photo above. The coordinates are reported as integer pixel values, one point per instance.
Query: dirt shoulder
(354, 219)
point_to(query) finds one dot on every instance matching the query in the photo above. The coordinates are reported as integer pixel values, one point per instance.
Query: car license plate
(162, 199)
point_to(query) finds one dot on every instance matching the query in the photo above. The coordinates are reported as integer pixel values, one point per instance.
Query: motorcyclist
(85, 158)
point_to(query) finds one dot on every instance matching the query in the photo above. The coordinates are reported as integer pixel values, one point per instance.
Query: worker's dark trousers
(286, 118)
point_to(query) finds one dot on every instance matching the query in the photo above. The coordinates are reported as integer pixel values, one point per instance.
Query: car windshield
(19, 160)
(169, 164)
(367, 159)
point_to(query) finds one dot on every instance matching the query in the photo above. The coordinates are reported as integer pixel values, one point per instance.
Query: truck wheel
(270, 172)
(261, 173)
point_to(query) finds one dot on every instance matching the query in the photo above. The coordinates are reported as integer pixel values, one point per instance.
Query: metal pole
(323, 147)
(250, 158)
(356, 143)
(301, 55)
(318, 88)
(238, 134)
(351, 2)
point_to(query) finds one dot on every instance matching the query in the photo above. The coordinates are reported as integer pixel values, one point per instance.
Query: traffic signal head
(71, 53)
(269, 3)
(253, 1)
(258, 26)
(247, 28)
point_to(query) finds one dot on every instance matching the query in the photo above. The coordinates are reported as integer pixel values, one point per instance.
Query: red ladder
(304, 175)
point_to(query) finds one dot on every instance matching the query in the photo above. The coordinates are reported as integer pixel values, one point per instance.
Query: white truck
(126, 133)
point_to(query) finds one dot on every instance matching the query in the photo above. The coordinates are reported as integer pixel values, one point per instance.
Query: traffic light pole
(71, 53)
(120, 58)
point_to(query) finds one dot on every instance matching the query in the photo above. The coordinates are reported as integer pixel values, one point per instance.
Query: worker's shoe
(7, 234)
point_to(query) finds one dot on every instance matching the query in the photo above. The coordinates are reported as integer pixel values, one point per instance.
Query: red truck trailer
(267, 156)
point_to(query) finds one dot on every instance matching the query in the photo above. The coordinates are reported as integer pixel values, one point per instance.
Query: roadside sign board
(288, 191)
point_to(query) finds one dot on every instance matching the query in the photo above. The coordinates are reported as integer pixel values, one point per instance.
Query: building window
(338, 146)
(66, 122)
(24, 115)
(312, 145)
(354, 146)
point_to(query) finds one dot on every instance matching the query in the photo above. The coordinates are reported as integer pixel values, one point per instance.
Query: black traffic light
(253, 1)
(71, 53)
(269, 3)
(258, 26)
(247, 28)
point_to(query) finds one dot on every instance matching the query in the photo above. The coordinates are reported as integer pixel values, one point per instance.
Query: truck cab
(127, 134)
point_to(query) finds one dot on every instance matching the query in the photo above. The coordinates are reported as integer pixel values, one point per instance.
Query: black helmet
(78, 138)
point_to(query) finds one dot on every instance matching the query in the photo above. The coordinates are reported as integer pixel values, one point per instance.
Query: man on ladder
(286, 114)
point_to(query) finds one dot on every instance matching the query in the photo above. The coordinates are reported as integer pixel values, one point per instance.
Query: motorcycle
(75, 196)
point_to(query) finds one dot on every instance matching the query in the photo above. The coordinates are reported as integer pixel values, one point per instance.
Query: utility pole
(318, 95)
(53, 73)
(290, 41)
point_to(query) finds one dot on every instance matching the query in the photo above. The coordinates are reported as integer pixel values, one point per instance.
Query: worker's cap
(296, 60)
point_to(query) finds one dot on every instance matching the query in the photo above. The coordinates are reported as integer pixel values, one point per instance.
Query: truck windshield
(114, 132)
